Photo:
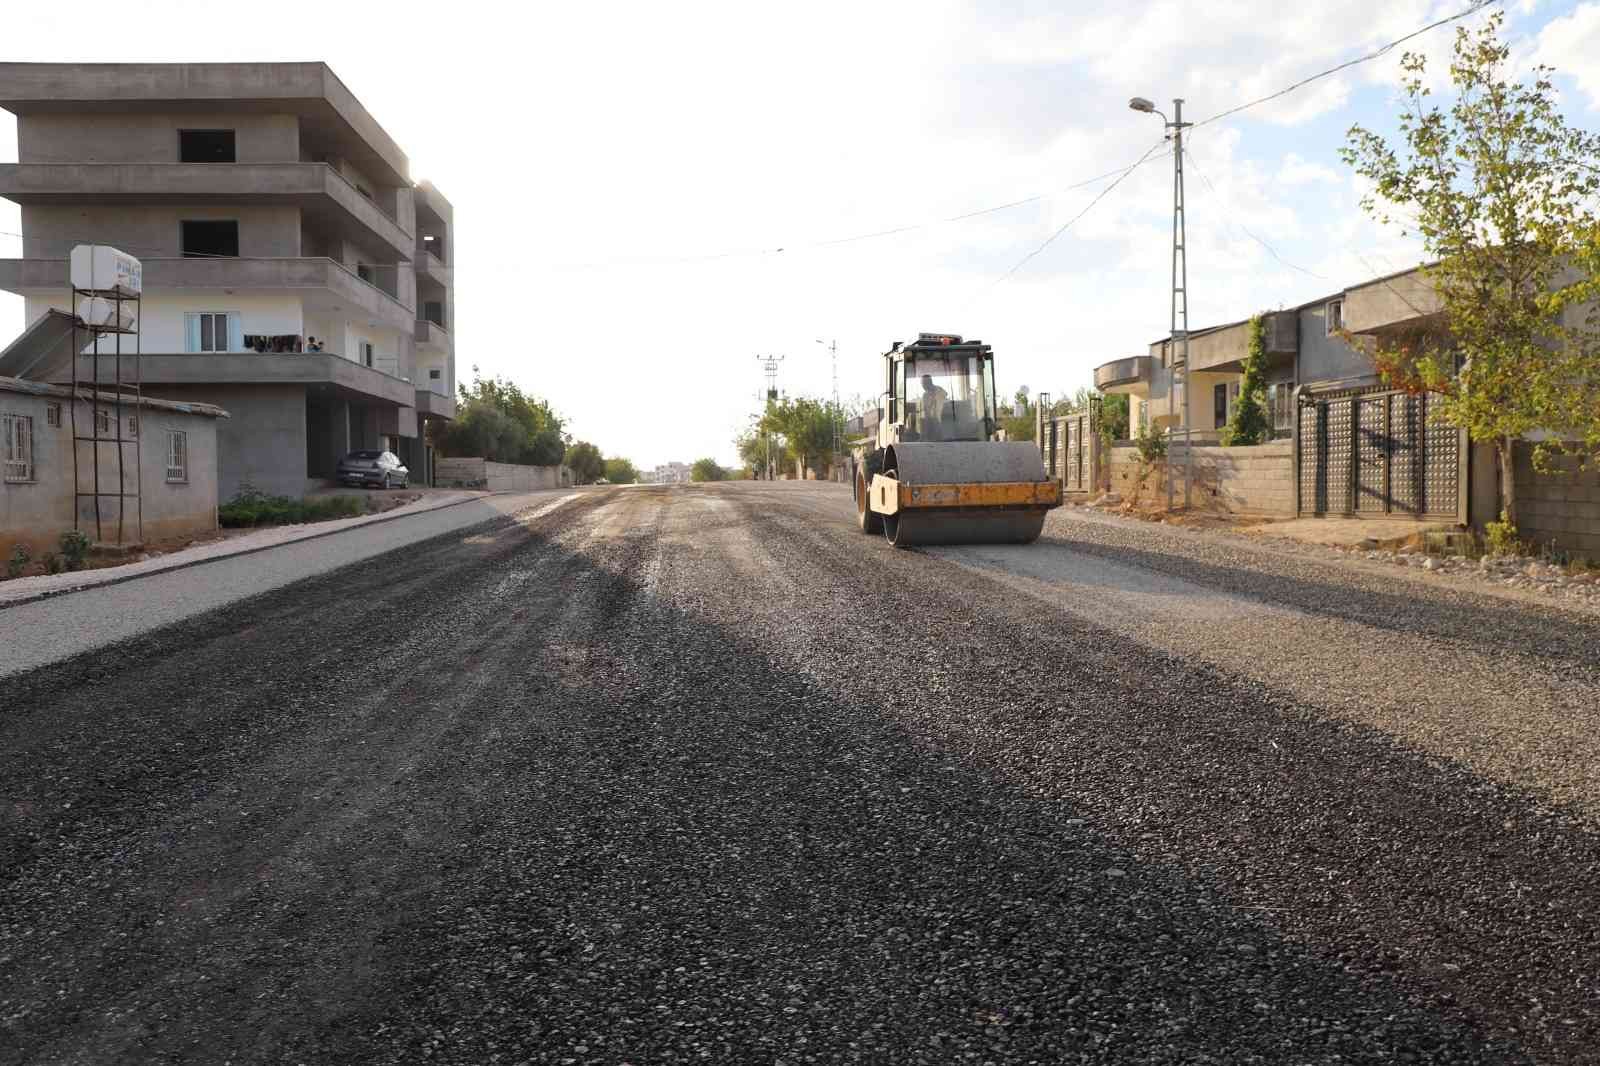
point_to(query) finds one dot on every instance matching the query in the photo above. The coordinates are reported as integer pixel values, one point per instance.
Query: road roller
(937, 471)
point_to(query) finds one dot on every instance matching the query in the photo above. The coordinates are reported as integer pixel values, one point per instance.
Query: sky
(648, 196)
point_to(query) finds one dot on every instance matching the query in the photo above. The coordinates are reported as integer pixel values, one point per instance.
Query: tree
(706, 470)
(584, 460)
(620, 471)
(1499, 189)
(496, 420)
(1019, 427)
(1249, 424)
(807, 427)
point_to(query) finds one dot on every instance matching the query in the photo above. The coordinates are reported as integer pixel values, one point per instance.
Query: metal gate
(1067, 445)
(1375, 453)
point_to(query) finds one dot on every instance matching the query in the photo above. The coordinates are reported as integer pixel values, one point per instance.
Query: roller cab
(935, 473)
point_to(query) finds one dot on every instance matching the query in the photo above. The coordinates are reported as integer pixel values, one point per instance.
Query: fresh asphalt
(701, 774)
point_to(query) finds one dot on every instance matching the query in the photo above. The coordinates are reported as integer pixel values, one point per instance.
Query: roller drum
(965, 463)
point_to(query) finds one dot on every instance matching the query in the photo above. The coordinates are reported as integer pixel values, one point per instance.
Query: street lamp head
(1139, 103)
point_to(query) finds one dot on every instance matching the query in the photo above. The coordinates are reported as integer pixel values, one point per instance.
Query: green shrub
(1502, 536)
(75, 546)
(20, 558)
(54, 564)
(251, 508)
(1152, 444)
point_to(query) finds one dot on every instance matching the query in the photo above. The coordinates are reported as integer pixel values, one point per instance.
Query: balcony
(333, 374)
(1131, 375)
(1398, 302)
(432, 404)
(432, 337)
(327, 283)
(325, 197)
(1222, 349)
(429, 268)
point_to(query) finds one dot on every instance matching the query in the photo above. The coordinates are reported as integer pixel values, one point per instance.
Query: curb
(50, 594)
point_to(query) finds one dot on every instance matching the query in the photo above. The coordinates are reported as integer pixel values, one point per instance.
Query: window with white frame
(102, 421)
(1281, 397)
(177, 455)
(17, 448)
(1335, 317)
(213, 331)
(52, 415)
(366, 353)
(133, 425)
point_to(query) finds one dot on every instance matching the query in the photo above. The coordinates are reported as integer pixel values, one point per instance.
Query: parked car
(370, 468)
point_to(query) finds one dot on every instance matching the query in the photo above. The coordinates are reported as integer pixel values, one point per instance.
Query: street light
(1178, 346)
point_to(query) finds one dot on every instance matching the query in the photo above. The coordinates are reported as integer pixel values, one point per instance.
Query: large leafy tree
(584, 460)
(1501, 191)
(706, 470)
(496, 420)
(807, 427)
(621, 471)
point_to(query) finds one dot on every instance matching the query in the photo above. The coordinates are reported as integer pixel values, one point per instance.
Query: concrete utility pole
(1178, 346)
(833, 350)
(769, 367)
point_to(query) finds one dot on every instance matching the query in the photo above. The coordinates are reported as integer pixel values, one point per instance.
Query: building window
(52, 415)
(364, 272)
(205, 146)
(1335, 320)
(177, 455)
(1219, 404)
(133, 425)
(366, 353)
(210, 239)
(17, 431)
(435, 375)
(212, 331)
(102, 422)
(1282, 400)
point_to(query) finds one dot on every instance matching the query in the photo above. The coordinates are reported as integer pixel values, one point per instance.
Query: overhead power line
(1347, 64)
(1223, 202)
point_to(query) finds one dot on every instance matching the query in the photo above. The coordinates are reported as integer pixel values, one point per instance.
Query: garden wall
(1257, 480)
(467, 473)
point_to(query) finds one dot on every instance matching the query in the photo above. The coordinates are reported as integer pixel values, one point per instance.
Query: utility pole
(769, 367)
(833, 351)
(1178, 346)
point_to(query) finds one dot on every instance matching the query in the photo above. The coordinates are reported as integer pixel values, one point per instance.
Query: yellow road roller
(936, 472)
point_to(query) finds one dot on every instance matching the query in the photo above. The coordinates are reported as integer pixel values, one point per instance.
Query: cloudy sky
(650, 195)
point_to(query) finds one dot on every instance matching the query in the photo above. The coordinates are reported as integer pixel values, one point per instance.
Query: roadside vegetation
(250, 508)
(707, 470)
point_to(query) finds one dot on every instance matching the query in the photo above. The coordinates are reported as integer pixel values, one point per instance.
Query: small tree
(1249, 424)
(1500, 190)
(706, 470)
(584, 461)
(620, 471)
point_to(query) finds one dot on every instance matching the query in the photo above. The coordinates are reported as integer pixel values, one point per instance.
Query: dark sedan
(373, 468)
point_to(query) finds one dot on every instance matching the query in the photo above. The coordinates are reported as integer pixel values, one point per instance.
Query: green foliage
(707, 470)
(75, 545)
(585, 462)
(54, 564)
(1502, 536)
(807, 427)
(20, 558)
(1152, 444)
(1501, 191)
(496, 420)
(1249, 424)
(1114, 415)
(621, 472)
(250, 507)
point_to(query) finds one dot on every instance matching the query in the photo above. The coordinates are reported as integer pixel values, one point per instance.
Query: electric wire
(1223, 202)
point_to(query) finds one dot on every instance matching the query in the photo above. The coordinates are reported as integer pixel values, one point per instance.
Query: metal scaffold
(105, 298)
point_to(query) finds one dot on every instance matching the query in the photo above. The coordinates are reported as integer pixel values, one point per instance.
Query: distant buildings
(667, 474)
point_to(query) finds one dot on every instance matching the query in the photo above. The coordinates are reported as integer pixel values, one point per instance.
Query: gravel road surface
(701, 774)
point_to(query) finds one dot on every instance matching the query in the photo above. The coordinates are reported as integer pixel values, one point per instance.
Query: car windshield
(945, 398)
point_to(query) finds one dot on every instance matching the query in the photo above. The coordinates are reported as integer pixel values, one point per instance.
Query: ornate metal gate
(1374, 452)
(1070, 450)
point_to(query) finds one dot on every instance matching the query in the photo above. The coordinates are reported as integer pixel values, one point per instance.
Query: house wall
(263, 441)
(1561, 508)
(498, 477)
(152, 231)
(37, 513)
(134, 137)
(1324, 358)
(1257, 480)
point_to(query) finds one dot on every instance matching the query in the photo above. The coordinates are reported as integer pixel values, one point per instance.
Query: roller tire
(869, 521)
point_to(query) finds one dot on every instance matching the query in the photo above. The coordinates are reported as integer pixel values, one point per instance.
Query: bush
(251, 508)
(1152, 444)
(54, 564)
(1502, 537)
(20, 558)
(75, 546)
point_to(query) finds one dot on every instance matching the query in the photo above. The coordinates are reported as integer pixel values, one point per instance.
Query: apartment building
(294, 274)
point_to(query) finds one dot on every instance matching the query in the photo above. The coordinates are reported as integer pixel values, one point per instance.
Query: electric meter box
(102, 269)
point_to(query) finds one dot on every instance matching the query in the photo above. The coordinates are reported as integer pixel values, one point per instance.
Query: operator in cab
(932, 406)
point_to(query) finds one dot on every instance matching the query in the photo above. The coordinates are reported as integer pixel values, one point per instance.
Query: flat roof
(311, 90)
(64, 392)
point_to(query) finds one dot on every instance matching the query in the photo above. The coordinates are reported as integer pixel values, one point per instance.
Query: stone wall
(1561, 508)
(1257, 480)
(498, 477)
